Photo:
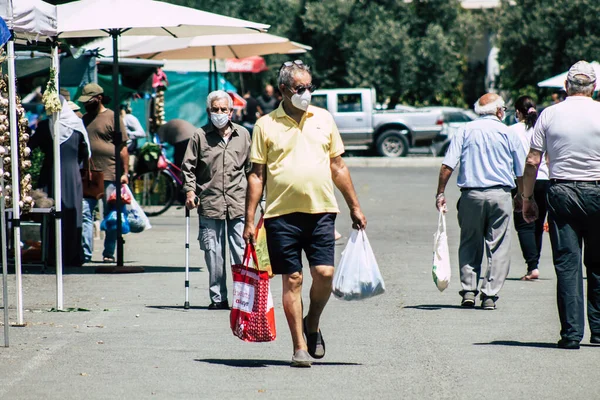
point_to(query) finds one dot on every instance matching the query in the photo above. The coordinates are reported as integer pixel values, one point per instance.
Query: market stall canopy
(30, 19)
(94, 18)
(558, 81)
(215, 46)
(252, 65)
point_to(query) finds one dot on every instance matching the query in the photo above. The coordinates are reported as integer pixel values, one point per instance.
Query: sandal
(314, 342)
(108, 260)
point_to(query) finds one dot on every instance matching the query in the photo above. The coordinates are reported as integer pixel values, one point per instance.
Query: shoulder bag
(92, 181)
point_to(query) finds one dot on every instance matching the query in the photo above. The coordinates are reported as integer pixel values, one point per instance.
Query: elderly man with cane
(569, 132)
(214, 170)
(489, 154)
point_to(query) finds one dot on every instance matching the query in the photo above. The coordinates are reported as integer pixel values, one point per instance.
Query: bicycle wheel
(154, 191)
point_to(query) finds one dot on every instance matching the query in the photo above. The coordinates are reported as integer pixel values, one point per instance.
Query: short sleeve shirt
(489, 153)
(297, 157)
(100, 130)
(570, 133)
(525, 136)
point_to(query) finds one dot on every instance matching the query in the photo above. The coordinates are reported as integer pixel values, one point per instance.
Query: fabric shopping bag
(252, 315)
(441, 256)
(357, 276)
(262, 251)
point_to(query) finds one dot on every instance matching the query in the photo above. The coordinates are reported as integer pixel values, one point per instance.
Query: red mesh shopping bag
(252, 315)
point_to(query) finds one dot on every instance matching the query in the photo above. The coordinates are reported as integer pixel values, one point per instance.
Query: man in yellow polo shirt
(296, 151)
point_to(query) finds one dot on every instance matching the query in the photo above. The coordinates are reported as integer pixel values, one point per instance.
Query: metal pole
(14, 158)
(186, 304)
(118, 141)
(216, 78)
(210, 76)
(57, 189)
(4, 261)
(4, 255)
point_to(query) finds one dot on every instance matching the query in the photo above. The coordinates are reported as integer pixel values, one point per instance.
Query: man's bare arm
(445, 173)
(534, 158)
(256, 184)
(125, 161)
(343, 181)
(440, 197)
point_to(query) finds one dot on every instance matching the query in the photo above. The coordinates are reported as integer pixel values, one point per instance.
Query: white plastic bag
(357, 277)
(441, 256)
(138, 220)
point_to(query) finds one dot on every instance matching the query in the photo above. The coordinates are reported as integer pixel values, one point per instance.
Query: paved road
(413, 342)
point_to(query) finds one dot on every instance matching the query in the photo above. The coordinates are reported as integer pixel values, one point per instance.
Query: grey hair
(286, 74)
(490, 108)
(219, 95)
(580, 84)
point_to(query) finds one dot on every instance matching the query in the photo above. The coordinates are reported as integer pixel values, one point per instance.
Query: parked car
(388, 133)
(454, 119)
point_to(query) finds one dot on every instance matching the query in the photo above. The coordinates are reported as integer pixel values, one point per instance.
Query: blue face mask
(516, 119)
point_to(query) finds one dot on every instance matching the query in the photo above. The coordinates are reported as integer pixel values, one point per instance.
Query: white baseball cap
(582, 68)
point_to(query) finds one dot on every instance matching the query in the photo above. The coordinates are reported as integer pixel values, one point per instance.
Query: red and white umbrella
(252, 65)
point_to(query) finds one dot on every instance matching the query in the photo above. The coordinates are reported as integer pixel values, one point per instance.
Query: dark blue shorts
(289, 234)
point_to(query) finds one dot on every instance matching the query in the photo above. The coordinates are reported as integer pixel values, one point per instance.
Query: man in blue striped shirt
(490, 156)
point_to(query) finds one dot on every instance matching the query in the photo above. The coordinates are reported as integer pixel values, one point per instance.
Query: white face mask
(219, 120)
(302, 101)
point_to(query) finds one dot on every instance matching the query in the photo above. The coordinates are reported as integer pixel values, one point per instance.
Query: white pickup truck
(388, 133)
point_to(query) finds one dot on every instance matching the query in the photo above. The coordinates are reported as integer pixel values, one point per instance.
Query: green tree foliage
(542, 38)
(412, 52)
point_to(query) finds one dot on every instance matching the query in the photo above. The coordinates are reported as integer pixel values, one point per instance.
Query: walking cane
(186, 305)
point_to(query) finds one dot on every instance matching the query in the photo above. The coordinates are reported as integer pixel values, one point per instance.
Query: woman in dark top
(74, 149)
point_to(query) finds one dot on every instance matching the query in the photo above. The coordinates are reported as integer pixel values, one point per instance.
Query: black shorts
(289, 234)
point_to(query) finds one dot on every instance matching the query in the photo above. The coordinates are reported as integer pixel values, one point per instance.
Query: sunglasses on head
(290, 63)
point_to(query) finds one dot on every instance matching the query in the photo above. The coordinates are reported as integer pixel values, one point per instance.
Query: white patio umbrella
(219, 46)
(558, 81)
(94, 18)
(28, 20)
(215, 46)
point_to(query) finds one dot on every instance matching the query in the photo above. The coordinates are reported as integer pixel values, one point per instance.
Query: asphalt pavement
(413, 342)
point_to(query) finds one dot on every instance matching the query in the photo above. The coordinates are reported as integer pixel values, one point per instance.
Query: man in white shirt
(570, 134)
(489, 155)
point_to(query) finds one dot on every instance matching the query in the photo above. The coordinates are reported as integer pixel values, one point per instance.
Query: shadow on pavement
(533, 281)
(514, 343)
(180, 308)
(91, 269)
(433, 307)
(264, 363)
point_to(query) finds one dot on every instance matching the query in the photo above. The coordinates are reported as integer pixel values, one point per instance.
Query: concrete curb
(384, 162)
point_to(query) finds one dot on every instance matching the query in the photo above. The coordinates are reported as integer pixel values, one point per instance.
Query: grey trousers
(212, 236)
(485, 218)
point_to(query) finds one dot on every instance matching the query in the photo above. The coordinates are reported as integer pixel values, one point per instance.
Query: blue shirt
(490, 154)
